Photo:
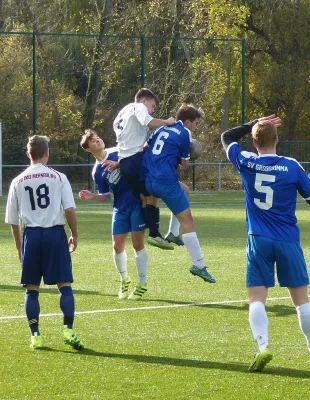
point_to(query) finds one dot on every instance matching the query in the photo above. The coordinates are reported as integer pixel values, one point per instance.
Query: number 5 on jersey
(259, 179)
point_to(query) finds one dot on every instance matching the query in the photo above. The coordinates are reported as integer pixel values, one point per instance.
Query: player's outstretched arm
(72, 222)
(156, 123)
(87, 195)
(16, 232)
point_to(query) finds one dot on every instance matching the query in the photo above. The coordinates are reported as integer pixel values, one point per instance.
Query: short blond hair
(88, 135)
(265, 134)
(37, 146)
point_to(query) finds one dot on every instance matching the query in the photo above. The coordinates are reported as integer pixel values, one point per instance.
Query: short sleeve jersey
(113, 180)
(167, 146)
(271, 184)
(38, 197)
(130, 127)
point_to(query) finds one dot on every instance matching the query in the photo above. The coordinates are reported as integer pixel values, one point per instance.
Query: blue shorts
(45, 253)
(173, 195)
(263, 253)
(130, 168)
(130, 219)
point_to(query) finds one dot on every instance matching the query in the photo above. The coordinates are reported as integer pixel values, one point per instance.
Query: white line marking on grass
(144, 308)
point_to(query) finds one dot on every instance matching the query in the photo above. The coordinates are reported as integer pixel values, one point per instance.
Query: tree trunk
(226, 100)
(1, 15)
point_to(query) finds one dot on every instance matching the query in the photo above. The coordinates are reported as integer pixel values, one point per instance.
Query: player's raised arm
(235, 134)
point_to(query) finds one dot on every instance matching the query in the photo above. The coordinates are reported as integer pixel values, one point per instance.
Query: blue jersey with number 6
(271, 184)
(167, 146)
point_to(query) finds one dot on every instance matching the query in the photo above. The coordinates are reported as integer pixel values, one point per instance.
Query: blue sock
(32, 308)
(67, 305)
(152, 219)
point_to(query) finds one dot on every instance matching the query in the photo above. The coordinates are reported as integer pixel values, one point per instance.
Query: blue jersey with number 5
(271, 184)
(167, 146)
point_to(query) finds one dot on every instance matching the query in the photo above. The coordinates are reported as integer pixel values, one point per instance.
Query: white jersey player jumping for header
(36, 201)
(131, 127)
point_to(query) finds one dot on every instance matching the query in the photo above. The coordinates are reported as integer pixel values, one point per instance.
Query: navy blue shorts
(263, 253)
(173, 195)
(129, 219)
(45, 253)
(130, 168)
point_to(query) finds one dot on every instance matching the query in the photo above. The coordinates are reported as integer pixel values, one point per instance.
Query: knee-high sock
(174, 225)
(32, 309)
(192, 245)
(142, 265)
(67, 305)
(259, 323)
(152, 219)
(120, 261)
(303, 314)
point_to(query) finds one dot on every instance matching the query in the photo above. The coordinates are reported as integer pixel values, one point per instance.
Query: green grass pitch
(186, 339)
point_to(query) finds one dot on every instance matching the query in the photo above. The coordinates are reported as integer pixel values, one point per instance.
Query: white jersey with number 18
(38, 197)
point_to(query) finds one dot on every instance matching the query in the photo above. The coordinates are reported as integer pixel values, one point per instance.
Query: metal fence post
(1, 184)
(142, 43)
(219, 185)
(34, 84)
(194, 175)
(243, 82)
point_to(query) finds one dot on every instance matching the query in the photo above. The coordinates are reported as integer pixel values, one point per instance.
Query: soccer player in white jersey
(127, 214)
(271, 183)
(36, 201)
(131, 127)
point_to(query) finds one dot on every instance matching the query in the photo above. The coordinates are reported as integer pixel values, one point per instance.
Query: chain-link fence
(201, 177)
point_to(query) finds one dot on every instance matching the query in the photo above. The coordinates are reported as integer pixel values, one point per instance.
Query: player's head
(264, 135)
(189, 115)
(91, 142)
(148, 98)
(37, 147)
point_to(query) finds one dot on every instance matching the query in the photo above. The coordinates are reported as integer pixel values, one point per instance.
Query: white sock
(192, 245)
(259, 323)
(303, 314)
(142, 265)
(120, 261)
(174, 225)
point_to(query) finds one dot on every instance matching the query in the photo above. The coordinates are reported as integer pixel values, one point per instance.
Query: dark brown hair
(188, 111)
(144, 93)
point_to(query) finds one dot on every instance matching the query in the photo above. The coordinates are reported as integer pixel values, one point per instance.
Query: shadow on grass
(51, 290)
(278, 310)
(181, 362)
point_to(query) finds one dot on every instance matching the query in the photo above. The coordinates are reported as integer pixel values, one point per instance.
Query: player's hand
(110, 165)
(19, 252)
(276, 121)
(170, 121)
(72, 243)
(85, 195)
